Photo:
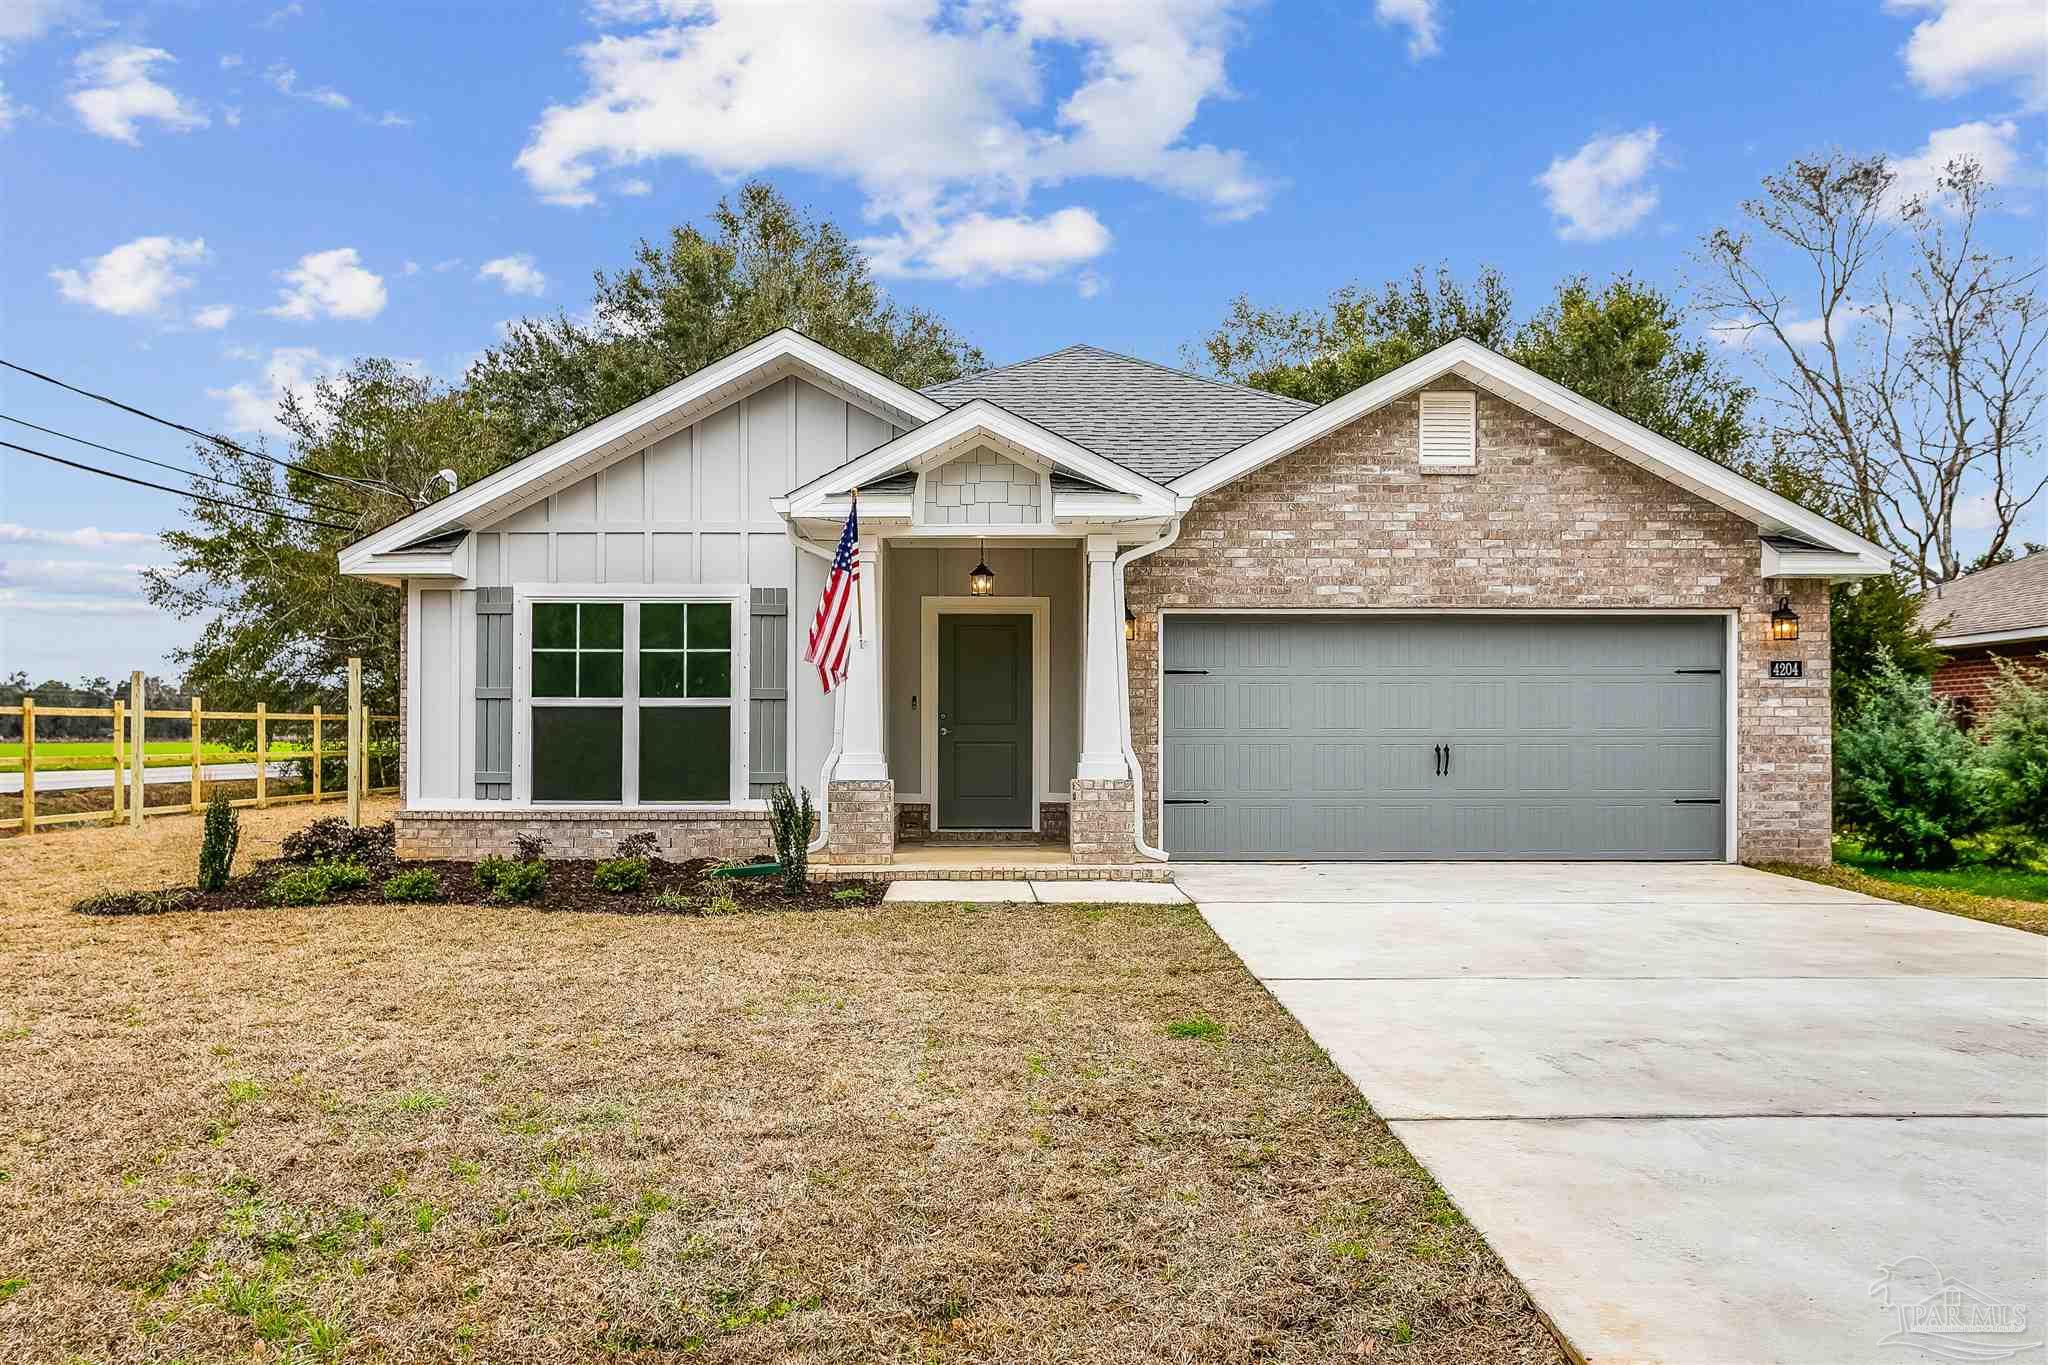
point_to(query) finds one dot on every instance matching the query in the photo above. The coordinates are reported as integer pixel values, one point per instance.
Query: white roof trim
(771, 358)
(1609, 430)
(1992, 637)
(974, 423)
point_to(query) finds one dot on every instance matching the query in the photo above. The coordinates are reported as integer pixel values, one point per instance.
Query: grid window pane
(604, 626)
(661, 673)
(661, 625)
(602, 673)
(554, 673)
(710, 625)
(710, 674)
(685, 753)
(576, 751)
(554, 625)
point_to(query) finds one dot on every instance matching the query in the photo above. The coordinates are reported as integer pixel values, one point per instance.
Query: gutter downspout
(817, 845)
(1123, 688)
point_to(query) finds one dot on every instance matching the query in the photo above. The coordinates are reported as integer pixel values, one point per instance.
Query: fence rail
(130, 758)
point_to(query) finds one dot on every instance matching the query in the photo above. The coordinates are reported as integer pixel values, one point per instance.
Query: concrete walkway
(1705, 1114)
(1042, 892)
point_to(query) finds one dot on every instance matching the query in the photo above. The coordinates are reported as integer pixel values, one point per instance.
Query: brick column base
(1099, 820)
(863, 820)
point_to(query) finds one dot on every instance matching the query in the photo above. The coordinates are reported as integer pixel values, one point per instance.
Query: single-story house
(1461, 612)
(1996, 613)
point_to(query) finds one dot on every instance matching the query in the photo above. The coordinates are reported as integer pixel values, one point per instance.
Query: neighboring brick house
(1981, 618)
(1460, 612)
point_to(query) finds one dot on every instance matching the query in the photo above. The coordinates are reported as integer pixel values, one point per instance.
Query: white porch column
(1102, 750)
(862, 757)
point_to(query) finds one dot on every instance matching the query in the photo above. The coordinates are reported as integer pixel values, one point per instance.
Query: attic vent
(1450, 430)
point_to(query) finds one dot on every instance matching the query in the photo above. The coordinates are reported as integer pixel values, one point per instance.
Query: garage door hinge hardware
(1186, 672)
(1697, 801)
(1696, 670)
(1185, 801)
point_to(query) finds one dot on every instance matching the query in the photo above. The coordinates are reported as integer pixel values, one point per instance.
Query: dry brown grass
(493, 1134)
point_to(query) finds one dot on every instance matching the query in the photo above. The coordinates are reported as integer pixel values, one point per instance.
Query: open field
(75, 755)
(898, 1133)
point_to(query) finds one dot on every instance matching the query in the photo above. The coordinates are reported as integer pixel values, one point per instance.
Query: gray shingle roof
(2011, 596)
(1157, 421)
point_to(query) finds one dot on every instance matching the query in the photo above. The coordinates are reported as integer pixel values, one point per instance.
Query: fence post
(198, 800)
(120, 758)
(316, 753)
(136, 750)
(355, 743)
(262, 755)
(28, 763)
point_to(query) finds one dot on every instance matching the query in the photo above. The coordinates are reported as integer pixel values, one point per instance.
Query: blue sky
(204, 204)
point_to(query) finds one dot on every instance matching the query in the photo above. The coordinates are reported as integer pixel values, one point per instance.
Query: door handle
(1437, 756)
(944, 731)
(1447, 760)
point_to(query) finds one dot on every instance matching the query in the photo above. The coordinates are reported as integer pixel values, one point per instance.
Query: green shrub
(620, 875)
(2016, 744)
(1907, 781)
(320, 882)
(790, 816)
(344, 876)
(721, 904)
(508, 879)
(332, 840)
(413, 884)
(675, 903)
(217, 844)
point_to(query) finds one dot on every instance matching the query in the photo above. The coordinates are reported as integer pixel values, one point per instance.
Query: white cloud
(14, 599)
(213, 317)
(134, 279)
(979, 247)
(634, 186)
(21, 20)
(410, 268)
(84, 538)
(984, 105)
(251, 406)
(330, 284)
(68, 576)
(230, 60)
(391, 118)
(1738, 333)
(278, 17)
(116, 93)
(1992, 146)
(285, 81)
(1968, 43)
(1088, 284)
(516, 273)
(1419, 17)
(9, 111)
(1599, 190)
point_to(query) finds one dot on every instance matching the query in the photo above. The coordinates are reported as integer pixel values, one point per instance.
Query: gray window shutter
(494, 694)
(768, 701)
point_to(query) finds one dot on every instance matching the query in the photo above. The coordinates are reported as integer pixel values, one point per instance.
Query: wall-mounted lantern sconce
(1784, 621)
(1130, 624)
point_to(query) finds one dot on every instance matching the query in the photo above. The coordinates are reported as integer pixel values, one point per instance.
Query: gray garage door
(1294, 737)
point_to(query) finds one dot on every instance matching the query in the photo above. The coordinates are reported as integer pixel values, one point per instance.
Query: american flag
(831, 638)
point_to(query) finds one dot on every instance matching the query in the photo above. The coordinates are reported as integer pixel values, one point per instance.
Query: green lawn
(62, 756)
(2012, 896)
(2010, 883)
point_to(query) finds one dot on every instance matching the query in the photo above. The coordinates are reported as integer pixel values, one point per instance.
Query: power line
(173, 468)
(180, 492)
(221, 441)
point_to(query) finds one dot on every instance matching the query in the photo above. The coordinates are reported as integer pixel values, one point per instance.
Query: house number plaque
(1788, 668)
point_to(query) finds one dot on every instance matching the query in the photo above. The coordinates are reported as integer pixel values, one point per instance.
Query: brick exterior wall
(1545, 520)
(1965, 677)
(863, 822)
(913, 820)
(467, 835)
(1099, 820)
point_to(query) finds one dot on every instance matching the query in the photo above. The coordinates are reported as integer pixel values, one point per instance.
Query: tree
(1873, 623)
(1903, 365)
(367, 446)
(1621, 345)
(1906, 779)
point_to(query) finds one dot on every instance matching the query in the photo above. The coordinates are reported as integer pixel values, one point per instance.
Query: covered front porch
(983, 724)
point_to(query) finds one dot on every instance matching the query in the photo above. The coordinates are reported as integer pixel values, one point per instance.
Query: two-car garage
(1462, 735)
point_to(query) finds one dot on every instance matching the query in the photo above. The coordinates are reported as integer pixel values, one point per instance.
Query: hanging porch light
(982, 582)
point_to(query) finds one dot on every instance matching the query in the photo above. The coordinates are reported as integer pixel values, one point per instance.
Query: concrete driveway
(1704, 1113)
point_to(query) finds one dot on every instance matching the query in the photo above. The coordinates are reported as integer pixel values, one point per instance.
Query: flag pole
(859, 612)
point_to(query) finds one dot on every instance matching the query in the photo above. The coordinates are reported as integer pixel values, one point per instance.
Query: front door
(984, 722)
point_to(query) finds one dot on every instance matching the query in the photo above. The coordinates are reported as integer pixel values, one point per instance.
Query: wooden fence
(130, 721)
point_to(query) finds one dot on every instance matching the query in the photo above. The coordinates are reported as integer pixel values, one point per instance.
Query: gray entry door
(984, 722)
(1303, 737)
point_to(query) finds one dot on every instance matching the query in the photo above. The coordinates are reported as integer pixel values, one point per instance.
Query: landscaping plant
(620, 875)
(2016, 744)
(511, 879)
(413, 884)
(1907, 780)
(217, 844)
(331, 839)
(790, 815)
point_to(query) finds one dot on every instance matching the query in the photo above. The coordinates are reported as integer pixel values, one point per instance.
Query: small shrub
(721, 904)
(1906, 779)
(331, 840)
(620, 875)
(344, 876)
(508, 879)
(675, 903)
(301, 886)
(642, 845)
(790, 815)
(530, 848)
(413, 884)
(2016, 743)
(851, 895)
(217, 844)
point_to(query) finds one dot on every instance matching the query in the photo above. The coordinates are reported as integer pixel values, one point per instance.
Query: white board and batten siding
(691, 507)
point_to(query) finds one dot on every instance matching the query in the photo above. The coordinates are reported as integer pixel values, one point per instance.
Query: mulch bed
(569, 888)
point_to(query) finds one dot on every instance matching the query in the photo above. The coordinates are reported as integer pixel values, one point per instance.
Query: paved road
(1697, 1109)
(87, 779)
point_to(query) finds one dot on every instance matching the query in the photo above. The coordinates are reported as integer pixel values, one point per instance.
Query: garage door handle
(1697, 801)
(1184, 801)
(1696, 670)
(1437, 752)
(1185, 672)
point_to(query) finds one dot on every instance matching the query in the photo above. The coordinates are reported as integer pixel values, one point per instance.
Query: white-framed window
(630, 700)
(1449, 429)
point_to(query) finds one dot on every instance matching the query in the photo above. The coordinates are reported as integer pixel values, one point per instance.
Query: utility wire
(221, 441)
(173, 468)
(180, 492)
